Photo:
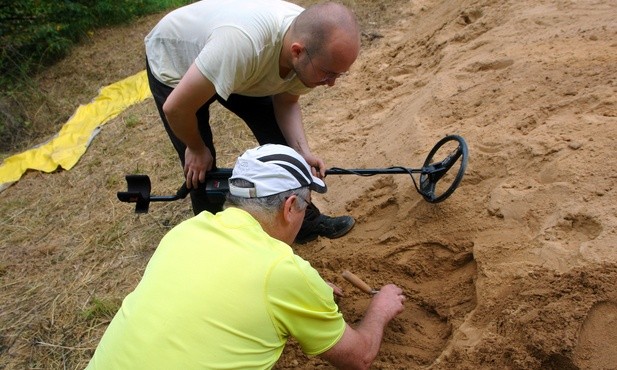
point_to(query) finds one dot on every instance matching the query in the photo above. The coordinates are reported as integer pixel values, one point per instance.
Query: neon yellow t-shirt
(220, 293)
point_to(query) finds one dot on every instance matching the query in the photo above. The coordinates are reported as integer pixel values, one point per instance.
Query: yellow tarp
(65, 149)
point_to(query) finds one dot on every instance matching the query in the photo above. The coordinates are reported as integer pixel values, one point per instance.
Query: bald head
(329, 29)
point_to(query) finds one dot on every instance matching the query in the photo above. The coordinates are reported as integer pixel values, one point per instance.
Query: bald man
(255, 57)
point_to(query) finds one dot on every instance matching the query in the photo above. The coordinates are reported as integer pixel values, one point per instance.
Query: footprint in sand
(597, 342)
(573, 229)
(440, 282)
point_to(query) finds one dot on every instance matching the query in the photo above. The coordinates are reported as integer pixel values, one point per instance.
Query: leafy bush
(37, 33)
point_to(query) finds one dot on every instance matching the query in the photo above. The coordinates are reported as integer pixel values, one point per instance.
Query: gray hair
(266, 206)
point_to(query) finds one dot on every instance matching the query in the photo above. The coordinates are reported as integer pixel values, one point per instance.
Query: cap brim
(318, 185)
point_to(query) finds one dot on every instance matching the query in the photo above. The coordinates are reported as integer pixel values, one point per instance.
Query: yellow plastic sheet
(65, 149)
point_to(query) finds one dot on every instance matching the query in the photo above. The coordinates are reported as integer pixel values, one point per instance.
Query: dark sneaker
(330, 227)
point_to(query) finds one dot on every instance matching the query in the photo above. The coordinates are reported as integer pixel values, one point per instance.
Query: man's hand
(388, 302)
(318, 166)
(338, 292)
(196, 164)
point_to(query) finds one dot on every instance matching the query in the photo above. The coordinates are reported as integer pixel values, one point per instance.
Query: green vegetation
(101, 309)
(37, 33)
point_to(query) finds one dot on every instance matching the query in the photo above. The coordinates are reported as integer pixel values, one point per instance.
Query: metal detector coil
(435, 183)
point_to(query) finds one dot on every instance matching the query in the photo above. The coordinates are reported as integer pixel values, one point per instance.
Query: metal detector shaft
(226, 172)
(371, 171)
(216, 186)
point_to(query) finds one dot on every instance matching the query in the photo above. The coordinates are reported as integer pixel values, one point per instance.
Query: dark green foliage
(37, 33)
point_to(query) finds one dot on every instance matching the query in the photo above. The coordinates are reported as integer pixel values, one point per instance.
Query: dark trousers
(256, 112)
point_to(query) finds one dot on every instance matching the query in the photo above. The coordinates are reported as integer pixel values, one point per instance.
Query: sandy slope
(516, 269)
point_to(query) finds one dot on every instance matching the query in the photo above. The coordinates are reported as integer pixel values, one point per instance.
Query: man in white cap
(226, 290)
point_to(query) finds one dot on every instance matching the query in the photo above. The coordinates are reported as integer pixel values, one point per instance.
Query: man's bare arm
(288, 115)
(358, 347)
(193, 91)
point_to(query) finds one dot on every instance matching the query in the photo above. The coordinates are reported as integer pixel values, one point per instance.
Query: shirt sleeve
(302, 306)
(227, 59)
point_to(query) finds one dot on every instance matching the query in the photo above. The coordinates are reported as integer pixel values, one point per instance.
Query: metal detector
(435, 183)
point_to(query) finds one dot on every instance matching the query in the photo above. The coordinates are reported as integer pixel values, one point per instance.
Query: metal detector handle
(139, 189)
(218, 174)
(216, 185)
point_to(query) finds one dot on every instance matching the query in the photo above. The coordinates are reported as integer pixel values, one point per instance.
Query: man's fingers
(189, 180)
(195, 180)
(192, 181)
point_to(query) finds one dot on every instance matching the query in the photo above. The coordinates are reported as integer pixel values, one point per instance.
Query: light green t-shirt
(220, 293)
(235, 44)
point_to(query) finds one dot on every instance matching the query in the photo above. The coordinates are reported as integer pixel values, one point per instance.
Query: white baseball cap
(273, 168)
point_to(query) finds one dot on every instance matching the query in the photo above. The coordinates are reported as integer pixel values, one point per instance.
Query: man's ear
(290, 208)
(296, 50)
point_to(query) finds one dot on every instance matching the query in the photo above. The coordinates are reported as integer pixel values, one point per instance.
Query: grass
(101, 309)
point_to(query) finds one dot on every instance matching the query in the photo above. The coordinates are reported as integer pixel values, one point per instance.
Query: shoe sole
(307, 240)
(342, 232)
